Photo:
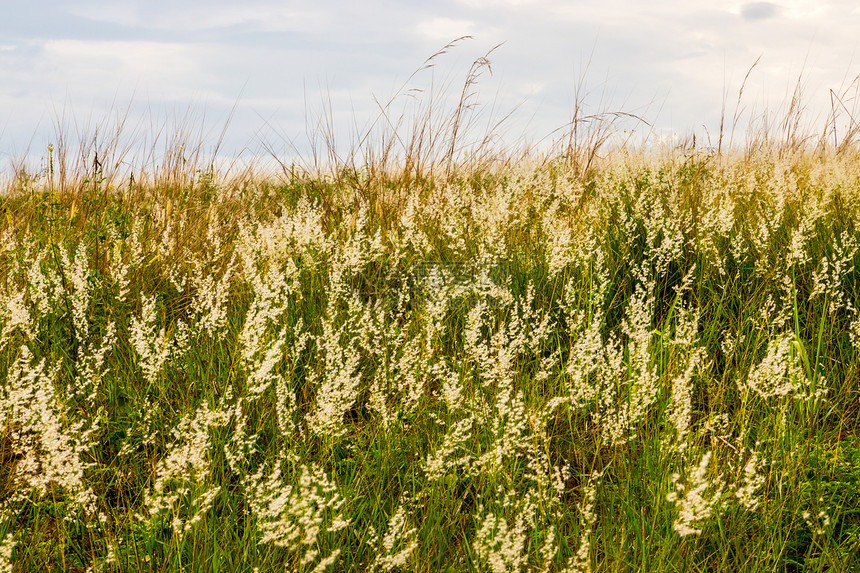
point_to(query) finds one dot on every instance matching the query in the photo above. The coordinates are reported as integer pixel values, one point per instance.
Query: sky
(278, 70)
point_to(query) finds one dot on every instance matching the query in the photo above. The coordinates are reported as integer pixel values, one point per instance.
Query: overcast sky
(673, 62)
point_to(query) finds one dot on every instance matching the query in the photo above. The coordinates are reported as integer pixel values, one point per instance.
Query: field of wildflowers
(648, 364)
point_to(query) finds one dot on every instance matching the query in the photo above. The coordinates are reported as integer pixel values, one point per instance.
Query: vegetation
(642, 361)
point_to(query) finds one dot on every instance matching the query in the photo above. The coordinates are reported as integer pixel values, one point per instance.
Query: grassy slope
(522, 369)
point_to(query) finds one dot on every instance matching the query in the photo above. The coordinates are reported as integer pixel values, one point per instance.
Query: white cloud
(532, 88)
(156, 61)
(445, 29)
(195, 17)
(120, 13)
(483, 4)
(264, 18)
(685, 55)
(804, 8)
(161, 71)
(760, 11)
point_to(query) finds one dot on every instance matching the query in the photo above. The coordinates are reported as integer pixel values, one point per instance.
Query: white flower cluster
(750, 483)
(682, 392)
(581, 562)
(178, 486)
(77, 274)
(52, 450)
(337, 386)
(827, 278)
(819, 523)
(439, 463)
(500, 544)
(292, 515)
(6, 546)
(780, 373)
(17, 317)
(210, 299)
(694, 500)
(152, 346)
(619, 414)
(396, 537)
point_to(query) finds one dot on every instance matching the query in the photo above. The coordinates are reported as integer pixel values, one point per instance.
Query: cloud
(482, 4)
(189, 17)
(152, 61)
(759, 11)
(681, 55)
(445, 29)
(118, 13)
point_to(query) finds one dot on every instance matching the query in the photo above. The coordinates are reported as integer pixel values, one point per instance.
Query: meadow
(619, 360)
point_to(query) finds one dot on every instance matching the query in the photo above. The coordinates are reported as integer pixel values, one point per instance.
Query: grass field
(630, 361)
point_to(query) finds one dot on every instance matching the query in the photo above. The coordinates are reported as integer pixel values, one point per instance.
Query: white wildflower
(77, 274)
(780, 373)
(502, 545)
(177, 487)
(337, 386)
(438, 464)
(682, 393)
(51, 447)
(396, 536)
(17, 317)
(581, 562)
(752, 481)
(6, 546)
(619, 418)
(152, 349)
(210, 300)
(694, 506)
(819, 523)
(292, 515)
(559, 243)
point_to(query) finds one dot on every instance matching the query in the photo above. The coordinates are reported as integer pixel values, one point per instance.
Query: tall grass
(595, 360)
